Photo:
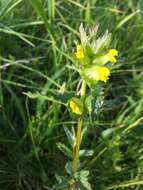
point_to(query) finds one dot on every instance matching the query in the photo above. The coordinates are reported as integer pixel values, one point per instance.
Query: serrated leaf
(86, 153)
(69, 168)
(82, 177)
(99, 103)
(71, 136)
(62, 182)
(65, 150)
(83, 174)
(86, 184)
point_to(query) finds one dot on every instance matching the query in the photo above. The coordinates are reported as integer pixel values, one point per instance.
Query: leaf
(69, 168)
(62, 182)
(67, 152)
(71, 136)
(83, 174)
(82, 177)
(99, 103)
(86, 184)
(86, 153)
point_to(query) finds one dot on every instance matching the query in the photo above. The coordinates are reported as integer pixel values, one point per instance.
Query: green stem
(83, 89)
(76, 149)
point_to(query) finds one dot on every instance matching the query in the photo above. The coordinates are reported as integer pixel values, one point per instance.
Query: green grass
(36, 40)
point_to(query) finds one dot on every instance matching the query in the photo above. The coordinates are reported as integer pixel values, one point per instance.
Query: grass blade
(126, 19)
(51, 6)
(40, 10)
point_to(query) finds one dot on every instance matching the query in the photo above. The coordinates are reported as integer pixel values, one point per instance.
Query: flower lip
(98, 73)
(113, 52)
(111, 56)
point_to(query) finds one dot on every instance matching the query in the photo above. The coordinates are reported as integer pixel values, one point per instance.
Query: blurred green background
(37, 38)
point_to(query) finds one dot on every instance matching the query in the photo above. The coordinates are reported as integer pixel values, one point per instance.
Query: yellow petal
(74, 107)
(79, 52)
(113, 52)
(112, 59)
(111, 56)
(98, 73)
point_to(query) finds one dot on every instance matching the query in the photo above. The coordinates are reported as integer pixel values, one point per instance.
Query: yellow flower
(113, 52)
(98, 73)
(111, 55)
(79, 52)
(75, 107)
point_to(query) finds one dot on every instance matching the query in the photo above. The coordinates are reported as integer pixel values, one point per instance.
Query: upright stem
(78, 134)
(83, 89)
(77, 148)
